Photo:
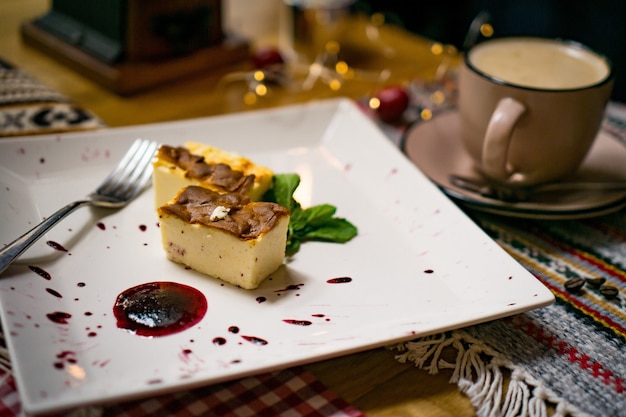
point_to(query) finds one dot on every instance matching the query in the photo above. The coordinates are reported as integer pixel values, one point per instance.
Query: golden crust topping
(220, 175)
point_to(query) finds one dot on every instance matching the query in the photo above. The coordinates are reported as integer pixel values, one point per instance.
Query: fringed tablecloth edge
(478, 373)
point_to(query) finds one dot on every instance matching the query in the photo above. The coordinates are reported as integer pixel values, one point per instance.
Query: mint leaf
(317, 215)
(282, 192)
(334, 230)
(314, 223)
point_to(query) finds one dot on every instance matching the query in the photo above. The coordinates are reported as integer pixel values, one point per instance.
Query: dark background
(600, 24)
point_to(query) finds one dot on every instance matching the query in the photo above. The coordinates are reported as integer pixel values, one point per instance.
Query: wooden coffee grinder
(133, 45)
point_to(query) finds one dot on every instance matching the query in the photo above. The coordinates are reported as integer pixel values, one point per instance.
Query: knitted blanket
(30, 107)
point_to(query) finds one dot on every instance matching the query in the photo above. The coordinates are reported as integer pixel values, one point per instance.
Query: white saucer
(435, 147)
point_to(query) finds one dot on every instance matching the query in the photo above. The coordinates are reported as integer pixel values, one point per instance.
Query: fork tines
(130, 175)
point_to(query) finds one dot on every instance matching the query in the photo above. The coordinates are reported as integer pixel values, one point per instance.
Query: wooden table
(372, 381)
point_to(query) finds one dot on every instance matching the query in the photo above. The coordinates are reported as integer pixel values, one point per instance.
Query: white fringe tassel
(478, 372)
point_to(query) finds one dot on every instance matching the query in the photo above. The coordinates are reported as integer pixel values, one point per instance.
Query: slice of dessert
(226, 236)
(209, 167)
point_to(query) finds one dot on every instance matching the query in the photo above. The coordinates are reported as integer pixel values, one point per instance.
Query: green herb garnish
(313, 223)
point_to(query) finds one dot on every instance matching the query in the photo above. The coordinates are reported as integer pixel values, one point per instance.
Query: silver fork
(126, 181)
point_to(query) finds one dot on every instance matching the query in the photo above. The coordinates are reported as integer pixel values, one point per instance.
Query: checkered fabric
(9, 398)
(291, 393)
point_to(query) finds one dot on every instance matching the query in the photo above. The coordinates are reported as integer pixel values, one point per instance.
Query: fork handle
(14, 249)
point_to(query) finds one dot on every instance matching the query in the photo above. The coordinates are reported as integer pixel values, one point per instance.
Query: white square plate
(418, 265)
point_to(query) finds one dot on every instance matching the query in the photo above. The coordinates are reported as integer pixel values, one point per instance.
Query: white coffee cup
(531, 108)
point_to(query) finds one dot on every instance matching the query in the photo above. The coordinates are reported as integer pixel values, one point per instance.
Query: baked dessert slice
(226, 236)
(197, 164)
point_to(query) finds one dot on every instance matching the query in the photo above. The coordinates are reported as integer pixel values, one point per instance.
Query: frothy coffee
(539, 63)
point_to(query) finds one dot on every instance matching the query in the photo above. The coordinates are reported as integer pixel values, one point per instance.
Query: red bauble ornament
(393, 102)
(266, 57)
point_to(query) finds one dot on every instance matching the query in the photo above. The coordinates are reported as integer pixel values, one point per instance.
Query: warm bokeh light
(377, 19)
(342, 67)
(334, 84)
(260, 90)
(438, 97)
(332, 47)
(258, 75)
(436, 49)
(486, 30)
(426, 114)
(374, 103)
(451, 49)
(249, 98)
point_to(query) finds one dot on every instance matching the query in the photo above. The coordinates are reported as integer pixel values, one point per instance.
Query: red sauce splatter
(59, 317)
(56, 246)
(298, 322)
(54, 292)
(101, 226)
(292, 287)
(339, 280)
(143, 227)
(40, 272)
(255, 340)
(159, 308)
(219, 341)
(63, 357)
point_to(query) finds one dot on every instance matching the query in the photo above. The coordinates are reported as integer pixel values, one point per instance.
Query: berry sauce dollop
(159, 308)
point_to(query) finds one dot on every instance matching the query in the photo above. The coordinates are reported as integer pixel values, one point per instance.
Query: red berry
(266, 57)
(393, 102)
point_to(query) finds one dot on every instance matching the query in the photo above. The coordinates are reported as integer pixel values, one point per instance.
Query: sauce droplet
(339, 280)
(54, 292)
(292, 287)
(56, 246)
(255, 340)
(40, 272)
(298, 322)
(59, 317)
(219, 341)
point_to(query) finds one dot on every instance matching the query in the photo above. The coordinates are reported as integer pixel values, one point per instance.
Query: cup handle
(498, 138)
